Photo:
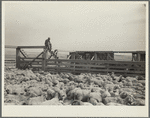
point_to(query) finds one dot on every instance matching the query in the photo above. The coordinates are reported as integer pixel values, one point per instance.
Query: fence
(88, 66)
(10, 63)
(77, 66)
(23, 61)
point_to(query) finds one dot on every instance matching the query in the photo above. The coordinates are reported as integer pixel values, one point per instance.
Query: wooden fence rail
(85, 66)
(10, 63)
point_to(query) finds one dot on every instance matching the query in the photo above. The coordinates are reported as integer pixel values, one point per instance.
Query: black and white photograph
(75, 58)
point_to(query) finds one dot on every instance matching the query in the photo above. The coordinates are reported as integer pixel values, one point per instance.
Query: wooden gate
(23, 61)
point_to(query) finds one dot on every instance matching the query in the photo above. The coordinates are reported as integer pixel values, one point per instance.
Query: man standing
(48, 45)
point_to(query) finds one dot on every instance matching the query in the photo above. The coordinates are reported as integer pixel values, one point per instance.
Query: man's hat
(48, 37)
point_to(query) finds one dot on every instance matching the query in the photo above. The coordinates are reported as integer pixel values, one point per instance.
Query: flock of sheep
(24, 87)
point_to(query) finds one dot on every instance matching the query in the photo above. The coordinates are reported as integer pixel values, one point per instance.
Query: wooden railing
(86, 66)
(10, 63)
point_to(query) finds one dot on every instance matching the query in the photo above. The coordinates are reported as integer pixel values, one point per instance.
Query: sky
(76, 26)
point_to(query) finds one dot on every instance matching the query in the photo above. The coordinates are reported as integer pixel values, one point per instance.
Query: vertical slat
(46, 54)
(58, 70)
(132, 56)
(113, 56)
(139, 57)
(44, 60)
(89, 69)
(95, 56)
(107, 56)
(107, 65)
(73, 57)
(18, 58)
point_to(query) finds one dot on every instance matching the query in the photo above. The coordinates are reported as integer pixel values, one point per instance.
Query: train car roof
(141, 52)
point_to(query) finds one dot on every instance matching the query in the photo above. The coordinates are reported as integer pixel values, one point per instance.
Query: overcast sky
(78, 25)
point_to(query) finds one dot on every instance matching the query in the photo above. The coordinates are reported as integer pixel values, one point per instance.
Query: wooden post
(139, 56)
(44, 60)
(46, 55)
(18, 58)
(73, 57)
(58, 70)
(107, 65)
(95, 56)
(132, 56)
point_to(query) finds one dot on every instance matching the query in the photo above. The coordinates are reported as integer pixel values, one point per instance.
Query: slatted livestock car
(105, 55)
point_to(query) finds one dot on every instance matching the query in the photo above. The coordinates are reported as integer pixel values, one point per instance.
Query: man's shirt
(48, 44)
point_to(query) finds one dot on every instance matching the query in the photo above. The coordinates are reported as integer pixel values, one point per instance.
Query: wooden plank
(37, 66)
(105, 70)
(10, 65)
(33, 63)
(9, 60)
(30, 58)
(102, 73)
(126, 67)
(30, 61)
(99, 61)
(139, 57)
(69, 57)
(102, 66)
(83, 71)
(18, 58)
(68, 61)
(31, 47)
(23, 54)
(44, 60)
(77, 65)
